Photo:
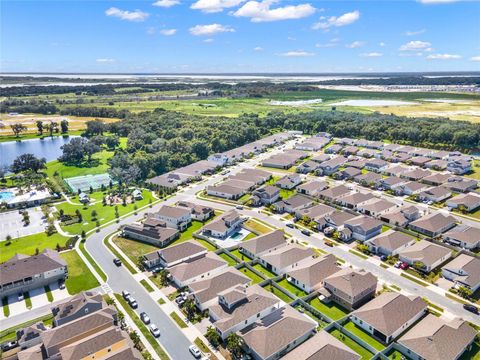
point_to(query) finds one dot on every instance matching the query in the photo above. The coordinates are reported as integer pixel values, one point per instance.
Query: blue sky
(239, 36)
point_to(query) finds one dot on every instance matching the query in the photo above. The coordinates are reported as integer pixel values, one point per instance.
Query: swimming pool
(6, 195)
(236, 236)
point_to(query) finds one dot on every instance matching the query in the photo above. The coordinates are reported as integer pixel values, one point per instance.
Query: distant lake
(48, 148)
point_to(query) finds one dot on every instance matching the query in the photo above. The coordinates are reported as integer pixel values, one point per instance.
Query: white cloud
(105, 61)
(371, 54)
(436, 1)
(213, 6)
(334, 21)
(415, 32)
(296, 53)
(258, 48)
(136, 15)
(209, 40)
(355, 45)
(261, 12)
(382, 44)
(416, 46)
(443, 57)
(475, 58)
(168, 32)
(211, 29)
(166, 3)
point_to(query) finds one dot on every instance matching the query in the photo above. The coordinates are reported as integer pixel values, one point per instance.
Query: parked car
(306, 232)
(397, 264)
(61, 284)
(194, 351)
(471, 308)
(157, 269)
(290, 225)
(9, 345)
(383, 257)
(132, 302)
(328, 243)
(239, 207)
(117, 262)
(125, 294)
(404, 266)
(144, 317)
(154, 330)
(21, 297)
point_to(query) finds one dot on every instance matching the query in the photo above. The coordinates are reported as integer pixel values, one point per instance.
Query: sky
(239, 36)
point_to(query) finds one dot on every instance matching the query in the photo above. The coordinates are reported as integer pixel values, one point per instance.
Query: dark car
(117, 262)
(306, 232)
(471, 308)
(290, 225)
(9, 345)
(383, 257)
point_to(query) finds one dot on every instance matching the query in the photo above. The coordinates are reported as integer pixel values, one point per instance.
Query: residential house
(224, 225)
(334, 149)
(377, 165)
(347, 141)
(293, 204)
(355, 199)
(314, 212)
(240, 307)
(190, 271)
(349, 288)
(367, 153)
(368, 179)
(286, 258)
(387, 316)
(137, 194)
(76, 307)
(275, 335)
(468, 202)
(433, 338)
(220, 159)
(322, 346)
(347, 174)
(420, 160)
(197, 212)
(225, 191)
(310, 275)
(376, 207)
(29, 337)
(289, 181)
(459, 167)
(174, 255)
(467, 237)
(350, 150)
(257, 173)
(396, 170)
(434, 224)
(331, 166)
(336, 220)
(263, 244)
(416, 174)
(174, 216)
(22, 273)
(152, 231)
(435, 194)
(390, 243)
(428, 254)
(410, 188)
(265, 195)
(436, 179)
(312, 143)
(319, 158)
(392, 183)
(461, 184)
(308, 166)
(312, 188)
(364, 227)
(356, 162)
(332, 194)
(205, 292)
(464, 271)
(402, 217)
(437, 165)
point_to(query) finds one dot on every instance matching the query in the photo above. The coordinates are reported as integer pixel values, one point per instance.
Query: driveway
(11, 223)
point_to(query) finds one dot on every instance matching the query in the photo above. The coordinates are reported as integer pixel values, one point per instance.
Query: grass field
(350, 326)
(332, 310)
(284, 283)
(132, 248)
(247, 272)
(264, 270)
(278, 293)
(239, 255)
(360, 350)
(27, 245)
(80, 277)
(258, 226)
(231, 261)
(178, 320)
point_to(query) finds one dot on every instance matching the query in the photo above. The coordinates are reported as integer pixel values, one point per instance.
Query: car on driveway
(194, 351)
(154, 330)
(404, 266)
(117, 262)
(383, 257)
(9, 345)
(397, 264)
(471, 308)
(21, 297)
(144, 317)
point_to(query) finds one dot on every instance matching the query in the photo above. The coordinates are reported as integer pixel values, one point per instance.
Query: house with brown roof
(364, 227)
(333, 165)
(239, 307)
(292, 204)
(388, 315)
(23, 273)
(205, 292)
(434, 224)
(461, 184)
(306, 167)
(420, 160)
(390, 243)
(464, 271)
(430, 255)
(322, 346)
(315, 212)
(334, 193)
(198, 212)
(226, 191)
(392, 182)
(224, 225)
(402, 216)
(377, 165)
(352, 200)
(263, 244)
(467, 237)
(174, 255)
(197, 269)
(280, 161)
(76, 307)
(368, 179)
(335, 220)
(434, 338)
(286, 258)
(469, 202)
(437, 164)
(376, 207)
(289, 181)
(273, 336)
(349, 288)
(416, 174)
(435, 194)
(265, 195)
(312, 188)
(410, 188)
(152, 231)
(176, 217)
(310, 274)
(437, 179)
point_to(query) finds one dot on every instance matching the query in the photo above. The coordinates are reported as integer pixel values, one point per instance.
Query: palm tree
(234, 344)
(213, 336)
(190, 308)
(135, 339)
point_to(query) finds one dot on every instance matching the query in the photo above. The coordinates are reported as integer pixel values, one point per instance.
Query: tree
(112, 141)
(163, 277)
(234, 344)
(53, 127)
(94, 214)
(213, 336)
(28, 162)
(419, 265)
(18, 128)
(135, 339)
(464, 292)
(39, 124)
(91, 148)
(190, 308)
(64, 126)
(94, 127)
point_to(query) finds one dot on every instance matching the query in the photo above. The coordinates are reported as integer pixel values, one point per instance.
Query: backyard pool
(6, 195)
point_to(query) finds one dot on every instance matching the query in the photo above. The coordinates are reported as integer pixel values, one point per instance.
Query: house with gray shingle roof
(467, 237)
(312, 188)
(263, 244)
(464, 270)
(286, 258)
(197, 269)
(376, 207)
(434, 224)
(469, 202)
(175, 254)
(390, 243)
(429, 254)
(309, 276)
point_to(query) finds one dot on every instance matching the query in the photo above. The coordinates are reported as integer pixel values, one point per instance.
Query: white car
(397, 264)
(194, 351)
(154, 330)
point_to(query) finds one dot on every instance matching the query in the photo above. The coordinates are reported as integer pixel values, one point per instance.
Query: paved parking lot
(11, 223)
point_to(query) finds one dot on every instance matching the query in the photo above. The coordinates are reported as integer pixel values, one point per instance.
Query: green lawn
(264, 270)
(239, 255)
(332, 310)
(80, 277)
(396, 355)
(28, 244)
(231, 261)
(285, 194)
(178, 320)
(133, 248)
(350, 326)
(360, 350)
(291, 288)
(209, 246)
(258, 226)
(187, 234)
(147, 286)
(255, 278)
(105, 213)
(49, 293)
(156, 281)
(473, 353)
(278, 293)
(5, 308)
(320, 322)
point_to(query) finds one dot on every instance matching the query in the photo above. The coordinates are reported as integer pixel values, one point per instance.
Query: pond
(48, 148)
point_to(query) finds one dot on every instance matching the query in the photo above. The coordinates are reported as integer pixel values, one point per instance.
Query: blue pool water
(236, 236)
(6, 195)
